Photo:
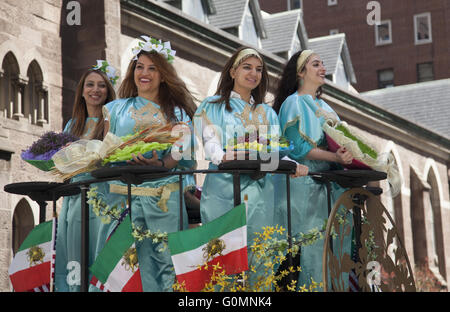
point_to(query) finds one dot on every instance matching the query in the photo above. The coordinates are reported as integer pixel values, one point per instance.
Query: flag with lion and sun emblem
(32, 266)
(116, 267)
(222, 241)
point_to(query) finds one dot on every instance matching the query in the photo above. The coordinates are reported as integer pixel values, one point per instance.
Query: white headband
(302, 59)
(244, 53)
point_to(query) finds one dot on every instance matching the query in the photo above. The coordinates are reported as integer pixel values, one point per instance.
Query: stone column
(2, 95)
(42, 92)
(19, 88)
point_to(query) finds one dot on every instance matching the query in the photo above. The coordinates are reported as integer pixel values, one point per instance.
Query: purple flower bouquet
(40, 153)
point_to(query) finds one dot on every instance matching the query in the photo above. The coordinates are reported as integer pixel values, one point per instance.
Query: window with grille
(425, 72)
(385, 78)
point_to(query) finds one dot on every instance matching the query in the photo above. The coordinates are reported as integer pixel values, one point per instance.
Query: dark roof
(281, 29)
(330, 48)
(425, 103)
(229, 13)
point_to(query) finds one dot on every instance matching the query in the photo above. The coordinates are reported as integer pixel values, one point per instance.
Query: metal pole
(52, 280)
(181, 193)
(328, 185)
(42, 206)
(84, 240)
(289, 226)
(54, 205)
(358, 200)
(236, 188)
(129, 200)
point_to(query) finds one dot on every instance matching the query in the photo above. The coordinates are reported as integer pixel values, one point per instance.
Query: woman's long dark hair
(226, 83)
(80, 113)
(172, 90)
(288, 82)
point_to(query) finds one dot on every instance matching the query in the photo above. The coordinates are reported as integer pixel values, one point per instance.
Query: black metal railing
(41, 192)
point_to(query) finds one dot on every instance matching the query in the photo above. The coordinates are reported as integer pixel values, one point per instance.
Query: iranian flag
(223, 241)
(116, 267)
(31, 267)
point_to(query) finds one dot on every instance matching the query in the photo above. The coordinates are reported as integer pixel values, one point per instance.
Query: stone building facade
(43, 54)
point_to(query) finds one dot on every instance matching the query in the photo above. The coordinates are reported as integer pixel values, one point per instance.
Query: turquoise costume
(68, 240)
(217, 192)
(155, 204)
(301, 120)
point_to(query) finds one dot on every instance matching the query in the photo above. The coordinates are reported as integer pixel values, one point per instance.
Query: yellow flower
(303, 289)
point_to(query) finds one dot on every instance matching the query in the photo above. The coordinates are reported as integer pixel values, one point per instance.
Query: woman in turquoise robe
(217, 191)
(302, 114)
(93, 91)
(238, 107)
(150, 94)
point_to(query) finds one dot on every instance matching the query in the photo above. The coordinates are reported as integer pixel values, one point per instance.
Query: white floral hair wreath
(107, 69)
(150, 44)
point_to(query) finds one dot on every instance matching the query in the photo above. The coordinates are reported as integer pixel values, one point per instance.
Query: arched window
(10, 101)
(394, 207)
(36, 108)
(22, 224)
(397, 206)
(418, 187)
(435, 221)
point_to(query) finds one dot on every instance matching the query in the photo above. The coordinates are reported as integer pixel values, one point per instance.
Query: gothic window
(22, 224)
(36, 109)
(435, 225)
(9, 101)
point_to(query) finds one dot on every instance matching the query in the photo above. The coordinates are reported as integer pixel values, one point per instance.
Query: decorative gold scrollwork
(380, 262)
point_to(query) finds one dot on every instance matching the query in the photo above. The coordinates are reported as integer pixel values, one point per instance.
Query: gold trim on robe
(145, 116)
(162, 191)
(256, 114)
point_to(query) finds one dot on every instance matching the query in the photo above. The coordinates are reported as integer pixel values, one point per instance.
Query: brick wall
(402, 55)
(350, 17)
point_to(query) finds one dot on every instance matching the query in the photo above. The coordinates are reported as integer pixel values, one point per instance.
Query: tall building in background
(411, 43)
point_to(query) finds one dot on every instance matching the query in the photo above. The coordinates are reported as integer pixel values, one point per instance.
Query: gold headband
(244, 53)
(302, 59)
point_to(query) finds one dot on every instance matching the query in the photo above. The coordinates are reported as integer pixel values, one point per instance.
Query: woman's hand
(142, 161)
(300, 171)
(343, 156)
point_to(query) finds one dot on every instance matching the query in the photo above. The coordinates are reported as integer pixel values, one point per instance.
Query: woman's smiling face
(314, 71)
(248, 74)
(146, 76)
(95, 90)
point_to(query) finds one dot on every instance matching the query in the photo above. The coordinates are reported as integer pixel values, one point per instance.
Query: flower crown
(107, 69)
(150, 44)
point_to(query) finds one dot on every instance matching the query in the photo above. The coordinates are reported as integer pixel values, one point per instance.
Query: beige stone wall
(30, 31)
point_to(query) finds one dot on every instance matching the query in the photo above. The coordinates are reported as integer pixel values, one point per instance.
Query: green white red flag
(116, 267)
(31, 267)
(222, 241)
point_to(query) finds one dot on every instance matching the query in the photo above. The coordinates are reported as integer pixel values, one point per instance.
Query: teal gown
(301, 120)
(68, 240)
(148, 209)
(217, 191)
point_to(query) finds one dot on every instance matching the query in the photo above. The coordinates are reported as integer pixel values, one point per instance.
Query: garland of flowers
(109, 70)
(150, 44)
(107, 214)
